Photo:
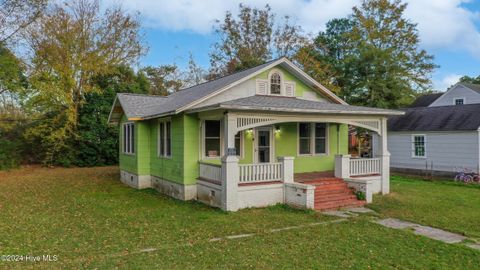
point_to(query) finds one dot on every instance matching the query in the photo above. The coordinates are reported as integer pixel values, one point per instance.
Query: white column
(230, 169)
(385, 158)
(342, 166)
(287, 169)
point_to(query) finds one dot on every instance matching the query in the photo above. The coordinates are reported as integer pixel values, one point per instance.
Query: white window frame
(282, 81)
(202, 141)
(165, 141)
(312, 139)
(458, 98)
(128, 144)
(412, 142)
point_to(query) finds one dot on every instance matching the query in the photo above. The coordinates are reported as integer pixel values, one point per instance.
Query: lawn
(443, 204)
(90, 220)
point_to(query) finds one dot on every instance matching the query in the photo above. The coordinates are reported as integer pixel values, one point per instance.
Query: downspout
(478, 168)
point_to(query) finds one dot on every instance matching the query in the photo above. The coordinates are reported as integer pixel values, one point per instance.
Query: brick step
(331, 186)
(340, 190)
(325, 181)
(334, 197)
(338, 204)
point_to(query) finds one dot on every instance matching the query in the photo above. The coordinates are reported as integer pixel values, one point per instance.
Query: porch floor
(313, 176)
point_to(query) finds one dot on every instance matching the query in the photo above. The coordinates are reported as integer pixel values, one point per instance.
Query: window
(129, 138)
(238, 143)
(418, 145)
(320, 138)
(312, 138)
(459, 101)
(164, 139)
(275, 84)
(212, 138)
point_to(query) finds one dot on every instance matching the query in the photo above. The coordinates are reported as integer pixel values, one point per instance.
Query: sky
(448, 29)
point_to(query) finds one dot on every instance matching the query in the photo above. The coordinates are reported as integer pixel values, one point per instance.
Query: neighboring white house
(439, 132)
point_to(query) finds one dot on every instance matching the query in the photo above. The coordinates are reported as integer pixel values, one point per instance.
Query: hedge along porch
(240, 141)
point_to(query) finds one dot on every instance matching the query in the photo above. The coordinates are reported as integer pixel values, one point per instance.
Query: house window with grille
(418, 146)
(165, 138)
(459, 101)
(275, 84)
(312, 138)
(128, 138)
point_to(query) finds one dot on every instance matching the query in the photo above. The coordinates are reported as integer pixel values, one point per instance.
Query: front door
(264, 148)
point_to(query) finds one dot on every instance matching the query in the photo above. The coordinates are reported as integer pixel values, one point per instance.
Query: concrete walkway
(430, 232)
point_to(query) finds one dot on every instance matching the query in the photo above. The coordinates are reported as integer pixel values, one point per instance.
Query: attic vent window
(459, 101)
(275, 84)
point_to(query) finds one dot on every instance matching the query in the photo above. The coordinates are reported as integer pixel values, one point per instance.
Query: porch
(308, 181)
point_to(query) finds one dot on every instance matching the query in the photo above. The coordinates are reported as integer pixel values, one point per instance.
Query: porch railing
(364, 166)
(262, 172)
(210, 171)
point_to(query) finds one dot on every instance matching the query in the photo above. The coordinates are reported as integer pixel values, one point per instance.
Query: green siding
(191, 148)
(137, 163)
(300, 87)
(168, 168)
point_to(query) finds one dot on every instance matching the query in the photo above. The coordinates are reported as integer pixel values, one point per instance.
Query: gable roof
(292, 104)
(472, 86)
(137, 107)
(425, 100)
(441, 118)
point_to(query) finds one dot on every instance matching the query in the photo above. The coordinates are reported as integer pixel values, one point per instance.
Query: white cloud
(447, 81)
(441, 23)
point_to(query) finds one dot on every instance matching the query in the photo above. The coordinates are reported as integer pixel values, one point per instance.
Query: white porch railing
(211, 171)
(364, 166)
(262, 172)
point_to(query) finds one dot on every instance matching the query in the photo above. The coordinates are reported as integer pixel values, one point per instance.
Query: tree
(16, 15)
(164, 79)
(374, 56)
(73, 43)
(468, 79)
(97, 142)
(194, 74)
(250, 40)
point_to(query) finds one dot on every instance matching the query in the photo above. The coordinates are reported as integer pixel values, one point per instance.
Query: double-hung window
(418, 146)
(312, 138)
(165, 138)
(212, 141)
(128, 138)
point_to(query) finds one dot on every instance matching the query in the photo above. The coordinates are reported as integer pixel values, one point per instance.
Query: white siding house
(440, 133)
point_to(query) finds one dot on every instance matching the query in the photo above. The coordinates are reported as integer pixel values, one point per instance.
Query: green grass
(443, 204)
(90, 220)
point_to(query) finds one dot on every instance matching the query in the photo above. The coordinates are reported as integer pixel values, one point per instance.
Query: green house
(266, 135)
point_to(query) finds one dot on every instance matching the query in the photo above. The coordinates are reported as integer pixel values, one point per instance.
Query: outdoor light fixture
(277, 129)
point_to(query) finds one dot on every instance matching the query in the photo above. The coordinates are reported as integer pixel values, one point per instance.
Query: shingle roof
(135, 105)
(272, 103)
(474, 87)
(425, 100)
(441, 118)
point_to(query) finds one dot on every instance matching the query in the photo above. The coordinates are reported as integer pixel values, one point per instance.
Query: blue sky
(449, 29)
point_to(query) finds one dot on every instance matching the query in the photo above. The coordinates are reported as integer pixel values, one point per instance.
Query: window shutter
(262, 87)
(290, 89)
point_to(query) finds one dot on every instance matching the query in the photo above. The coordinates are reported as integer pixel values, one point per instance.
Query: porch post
(230, 169)
(342, 166)
(385, 158)
(287, 169)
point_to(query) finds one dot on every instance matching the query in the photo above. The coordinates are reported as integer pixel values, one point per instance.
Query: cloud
(441, 23)
(447, 81)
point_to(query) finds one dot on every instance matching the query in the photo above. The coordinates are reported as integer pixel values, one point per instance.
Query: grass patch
(442, 204)
(90, 220)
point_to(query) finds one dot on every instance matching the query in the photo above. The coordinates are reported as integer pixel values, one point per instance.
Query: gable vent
(262, 86)
(290, 89)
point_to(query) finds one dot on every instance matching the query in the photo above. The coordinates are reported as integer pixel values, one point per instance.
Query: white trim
(282, 81)
(113, 107)
(326, 92)
(312, 140)
(129, 140)
(412, 142)
(164, 121)
(272, 143)
(458, 98)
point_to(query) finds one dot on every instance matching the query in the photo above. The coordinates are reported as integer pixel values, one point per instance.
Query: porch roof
(289, 104)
